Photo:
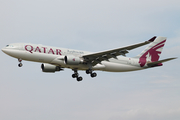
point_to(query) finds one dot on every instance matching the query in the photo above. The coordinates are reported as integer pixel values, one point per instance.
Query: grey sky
(92, 25)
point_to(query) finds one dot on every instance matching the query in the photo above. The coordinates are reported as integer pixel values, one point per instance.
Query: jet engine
(50, 68)
(72, 60)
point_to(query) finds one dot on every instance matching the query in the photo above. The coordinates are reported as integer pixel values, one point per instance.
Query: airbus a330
(56, 59)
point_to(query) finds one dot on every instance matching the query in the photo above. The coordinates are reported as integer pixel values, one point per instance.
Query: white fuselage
(55, 56)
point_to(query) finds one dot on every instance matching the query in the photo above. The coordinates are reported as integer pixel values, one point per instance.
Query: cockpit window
(7, 45)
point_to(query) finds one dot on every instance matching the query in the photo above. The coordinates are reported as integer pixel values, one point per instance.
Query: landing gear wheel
(89, 71)
(79, 78)
(74, 75)
(20, 64)
(93, 75)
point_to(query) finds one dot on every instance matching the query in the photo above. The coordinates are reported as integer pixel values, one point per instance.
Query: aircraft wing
(95, 58)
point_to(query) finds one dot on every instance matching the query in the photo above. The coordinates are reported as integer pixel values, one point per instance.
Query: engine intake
(72, 60)
(50, 68)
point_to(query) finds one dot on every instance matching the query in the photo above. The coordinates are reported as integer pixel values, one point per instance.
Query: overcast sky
(92, 25)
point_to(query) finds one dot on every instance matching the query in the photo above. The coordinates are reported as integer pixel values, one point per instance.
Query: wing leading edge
(95, 58)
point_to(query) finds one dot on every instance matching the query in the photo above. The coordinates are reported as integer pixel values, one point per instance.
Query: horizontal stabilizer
(159, 63)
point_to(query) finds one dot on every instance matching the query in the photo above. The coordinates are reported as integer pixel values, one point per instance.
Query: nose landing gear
(20, 64)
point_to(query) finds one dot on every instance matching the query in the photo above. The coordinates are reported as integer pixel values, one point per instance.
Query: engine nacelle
(72, 60)
(50, 68)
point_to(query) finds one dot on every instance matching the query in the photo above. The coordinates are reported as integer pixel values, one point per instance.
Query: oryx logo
(152, 54)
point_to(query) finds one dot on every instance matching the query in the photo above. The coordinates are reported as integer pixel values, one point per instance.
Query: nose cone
(4, 50)
(7, 51)
(10, 51)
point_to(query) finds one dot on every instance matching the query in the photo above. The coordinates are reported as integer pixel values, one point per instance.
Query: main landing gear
(89, 71)
(76, 75)
(93, 74)
(20, 64)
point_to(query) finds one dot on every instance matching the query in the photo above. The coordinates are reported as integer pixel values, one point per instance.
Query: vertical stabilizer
(152, 52)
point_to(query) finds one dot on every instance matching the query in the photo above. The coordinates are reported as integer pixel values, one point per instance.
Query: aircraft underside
(104, 66)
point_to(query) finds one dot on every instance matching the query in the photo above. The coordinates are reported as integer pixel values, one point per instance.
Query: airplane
(55, 59)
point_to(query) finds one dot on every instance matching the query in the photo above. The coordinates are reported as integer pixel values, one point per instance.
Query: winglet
(152, 39)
